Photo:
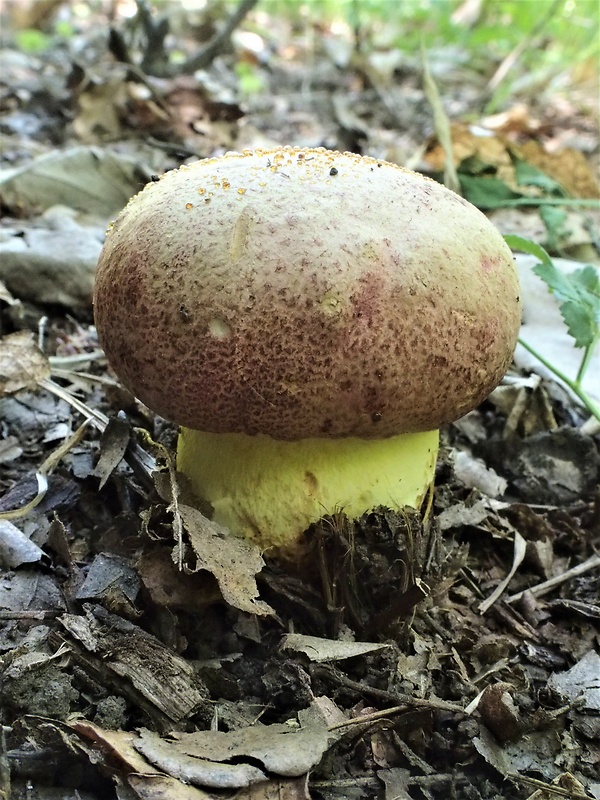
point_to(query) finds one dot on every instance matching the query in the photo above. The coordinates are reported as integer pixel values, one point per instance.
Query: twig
(570, 794)
(414, 702)
(29, 615)
(204, 57)
(543, 588)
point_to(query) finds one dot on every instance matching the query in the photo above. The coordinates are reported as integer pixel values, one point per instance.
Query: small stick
(570, 794)
(546, 586)
(414, 702)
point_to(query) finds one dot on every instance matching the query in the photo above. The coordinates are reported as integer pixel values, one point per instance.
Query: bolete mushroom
(311, 318)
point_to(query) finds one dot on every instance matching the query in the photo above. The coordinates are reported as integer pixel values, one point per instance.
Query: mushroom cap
(306, 293)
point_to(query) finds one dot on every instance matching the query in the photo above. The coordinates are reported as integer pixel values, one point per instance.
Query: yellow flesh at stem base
(271, 491)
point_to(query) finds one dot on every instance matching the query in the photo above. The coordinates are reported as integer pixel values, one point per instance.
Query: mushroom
(311, 318)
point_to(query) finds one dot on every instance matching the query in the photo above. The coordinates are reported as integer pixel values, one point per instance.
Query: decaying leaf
(320, 650)
(112, 580)
(17, 549)
(36, 265)
(94, 181)
(146, 780)
(22, 363)
(173, 759)
(535, 752)
(233, 561)
(276, 789)
(228, 760)
(581, 682)
(476, 475)
(113, 444)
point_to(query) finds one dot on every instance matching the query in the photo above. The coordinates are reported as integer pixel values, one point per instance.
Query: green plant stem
(574, 386)
(589, 350)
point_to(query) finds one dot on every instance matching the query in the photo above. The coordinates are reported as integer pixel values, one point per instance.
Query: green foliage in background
(569, 34)
(578, 297)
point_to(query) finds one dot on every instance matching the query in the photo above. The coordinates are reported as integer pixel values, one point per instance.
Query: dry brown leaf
(22, 363)
(567, 167)
(216, 759)
(233, 561)
(465, 144)
(172, 589)
(146, 780)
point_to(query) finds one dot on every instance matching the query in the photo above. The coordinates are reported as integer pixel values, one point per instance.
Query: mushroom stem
(271, 491)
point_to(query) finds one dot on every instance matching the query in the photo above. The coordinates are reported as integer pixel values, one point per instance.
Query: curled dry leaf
(22, 363)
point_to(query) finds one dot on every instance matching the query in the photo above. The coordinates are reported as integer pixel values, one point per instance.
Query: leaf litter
(451, 657)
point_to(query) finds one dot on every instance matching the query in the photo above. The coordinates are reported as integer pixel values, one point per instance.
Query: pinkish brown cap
(306, 293)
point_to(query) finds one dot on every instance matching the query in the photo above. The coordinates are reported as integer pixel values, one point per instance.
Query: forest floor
(452, 654)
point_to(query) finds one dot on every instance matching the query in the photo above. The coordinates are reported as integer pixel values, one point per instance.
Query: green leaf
(486, 193)
(528, 175)
(578, 294)
(589, 278)
(554, 219)
(527, 246)
(581, 325)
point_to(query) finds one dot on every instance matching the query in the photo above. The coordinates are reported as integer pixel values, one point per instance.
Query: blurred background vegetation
(553, 35)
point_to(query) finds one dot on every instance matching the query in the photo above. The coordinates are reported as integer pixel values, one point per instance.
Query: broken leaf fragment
(320, 650)
(234, 562)
(22, 363)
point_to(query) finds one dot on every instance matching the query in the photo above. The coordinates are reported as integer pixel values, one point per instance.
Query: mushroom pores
(303, 293)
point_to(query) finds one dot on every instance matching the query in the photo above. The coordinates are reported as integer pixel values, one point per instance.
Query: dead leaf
(476, 475)
(320, 650)
(534, 753)
(205, 758)
(22, 363)
(294, 789)
(110, 579)
(170, 588)
(567, 782)
(17, 549)
(581, 682)
(233, 561)
(113, 444)
(171, 758)
(566, 166)
(94, 181)
(147, 781)
(37, 264)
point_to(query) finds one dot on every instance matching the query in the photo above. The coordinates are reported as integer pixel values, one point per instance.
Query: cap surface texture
(306, 293)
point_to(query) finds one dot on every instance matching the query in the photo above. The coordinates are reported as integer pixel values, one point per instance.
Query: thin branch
(543, 588)
(204, 57)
